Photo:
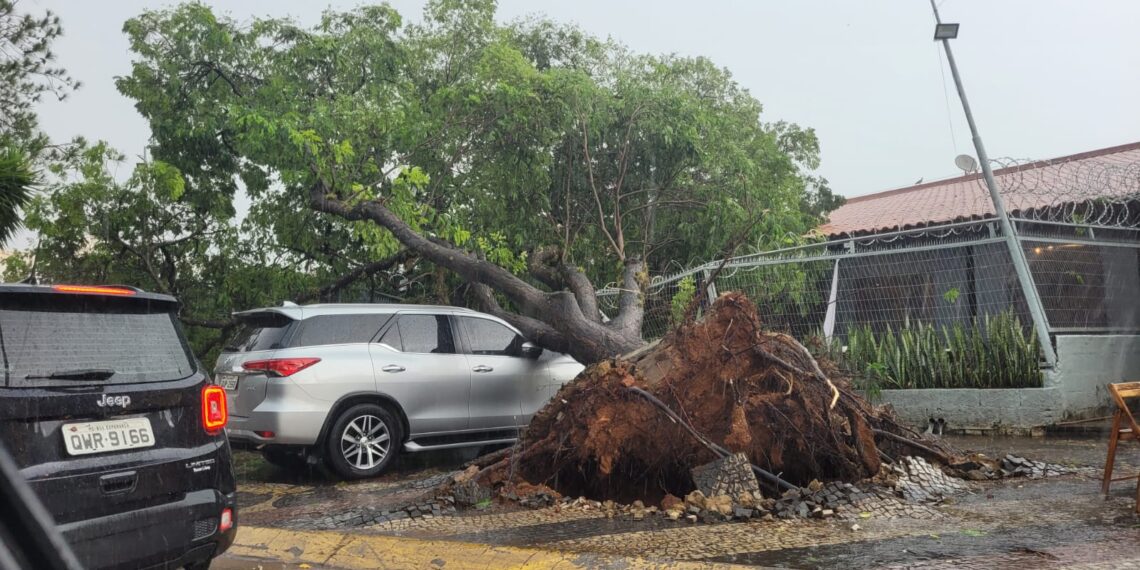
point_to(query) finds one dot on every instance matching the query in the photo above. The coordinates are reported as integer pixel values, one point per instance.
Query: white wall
(1086, 364)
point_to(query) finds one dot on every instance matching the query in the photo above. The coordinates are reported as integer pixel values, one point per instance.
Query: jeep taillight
(214, 412)
(280, 367)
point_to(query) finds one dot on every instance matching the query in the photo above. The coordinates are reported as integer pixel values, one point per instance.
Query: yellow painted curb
(350, 551)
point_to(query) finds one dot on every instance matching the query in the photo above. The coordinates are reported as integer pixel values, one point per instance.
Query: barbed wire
(1097, 192)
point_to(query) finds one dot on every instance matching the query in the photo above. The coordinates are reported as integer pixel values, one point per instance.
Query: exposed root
(632, 428)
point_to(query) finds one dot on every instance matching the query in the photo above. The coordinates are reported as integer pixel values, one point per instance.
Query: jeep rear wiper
(76, 374)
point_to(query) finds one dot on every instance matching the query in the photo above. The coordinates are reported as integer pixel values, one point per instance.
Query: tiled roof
(1023, 187)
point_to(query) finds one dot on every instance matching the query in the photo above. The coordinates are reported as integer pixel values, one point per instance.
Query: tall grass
(992, 352)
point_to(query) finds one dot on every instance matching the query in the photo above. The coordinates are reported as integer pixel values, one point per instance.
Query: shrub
(992, 352)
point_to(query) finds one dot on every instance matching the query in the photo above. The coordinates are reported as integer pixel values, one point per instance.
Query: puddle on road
(318, 495)
(1002, 546)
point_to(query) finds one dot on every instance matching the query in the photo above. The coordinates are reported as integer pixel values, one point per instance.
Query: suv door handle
(482, 368)
(393, 368)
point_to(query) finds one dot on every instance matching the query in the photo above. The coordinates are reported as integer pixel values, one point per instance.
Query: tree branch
(525, 295)
(211, 66)
(631, 300)
(555, 318)
(350, 277)
(159, 282)
(597, 196)
(533, 329)
(540, 265)
(583, 291)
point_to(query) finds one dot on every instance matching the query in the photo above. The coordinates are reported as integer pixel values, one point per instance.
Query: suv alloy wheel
(363, 441)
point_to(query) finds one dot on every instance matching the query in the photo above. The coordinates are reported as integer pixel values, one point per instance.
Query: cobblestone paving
(926, 521)
(444, 527)
(696, 542)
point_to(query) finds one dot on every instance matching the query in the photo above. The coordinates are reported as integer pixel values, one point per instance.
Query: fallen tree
(633, 427)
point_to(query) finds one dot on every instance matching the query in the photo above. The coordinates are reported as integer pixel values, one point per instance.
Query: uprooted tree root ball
(633, 427)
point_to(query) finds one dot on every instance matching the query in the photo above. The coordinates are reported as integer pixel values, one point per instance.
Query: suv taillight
(280, 367)
(214, 412)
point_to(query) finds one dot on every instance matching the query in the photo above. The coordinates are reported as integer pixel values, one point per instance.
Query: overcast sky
(1045, 77)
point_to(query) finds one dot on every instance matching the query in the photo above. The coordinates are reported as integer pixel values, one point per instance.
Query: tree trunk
(564, 320)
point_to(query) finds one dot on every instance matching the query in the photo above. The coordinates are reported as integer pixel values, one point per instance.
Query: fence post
(832, 312)
(710, 287)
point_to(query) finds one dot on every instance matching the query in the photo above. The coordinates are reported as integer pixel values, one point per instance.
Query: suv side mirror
(531, 350)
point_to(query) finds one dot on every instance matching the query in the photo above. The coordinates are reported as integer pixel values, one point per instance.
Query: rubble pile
(916, 480)
(981, 468)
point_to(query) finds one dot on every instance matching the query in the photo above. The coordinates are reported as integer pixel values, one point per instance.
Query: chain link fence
(1088, 282)
(942, 306)
(1077, 218)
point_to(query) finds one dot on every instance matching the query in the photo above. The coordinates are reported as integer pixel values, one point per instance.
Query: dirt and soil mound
(633, 427)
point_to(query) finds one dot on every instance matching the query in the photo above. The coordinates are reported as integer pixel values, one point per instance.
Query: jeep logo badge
(107, 401)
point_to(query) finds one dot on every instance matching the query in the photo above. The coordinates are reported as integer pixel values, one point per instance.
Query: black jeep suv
(115, 425)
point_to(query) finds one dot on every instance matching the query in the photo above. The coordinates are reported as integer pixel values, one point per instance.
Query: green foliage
(993, 352)
(686, 290)
(155, 230)
(26, 70)
(498, 138)
(16, 179)
(951, 295)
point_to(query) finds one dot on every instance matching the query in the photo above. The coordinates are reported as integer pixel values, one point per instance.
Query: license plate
(227, 381)
(111, 435)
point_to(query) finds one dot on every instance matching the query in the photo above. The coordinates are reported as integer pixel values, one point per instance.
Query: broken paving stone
(695, 499)
(720, 504)
(670, 502)
(731, 475)
(469, 493)
(977, 475)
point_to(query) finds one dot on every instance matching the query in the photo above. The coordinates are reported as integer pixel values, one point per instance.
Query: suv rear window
(339, 329)
(260, 331)
(44, 337)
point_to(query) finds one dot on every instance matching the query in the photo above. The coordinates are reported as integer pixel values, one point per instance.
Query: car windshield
(73, 343)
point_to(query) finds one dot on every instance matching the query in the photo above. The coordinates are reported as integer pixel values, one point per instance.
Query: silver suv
(355, 384)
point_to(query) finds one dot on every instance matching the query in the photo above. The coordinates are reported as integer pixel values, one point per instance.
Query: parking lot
(1057, 522)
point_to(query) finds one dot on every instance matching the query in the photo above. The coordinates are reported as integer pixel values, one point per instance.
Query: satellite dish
(966, 163)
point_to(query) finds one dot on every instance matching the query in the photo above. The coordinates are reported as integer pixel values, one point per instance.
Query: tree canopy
(515, 166)
(26, 74)
(530, 158)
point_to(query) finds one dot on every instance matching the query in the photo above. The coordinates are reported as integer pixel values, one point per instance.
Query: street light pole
(1020, 263)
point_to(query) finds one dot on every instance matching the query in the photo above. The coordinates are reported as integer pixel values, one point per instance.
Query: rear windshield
(113, 343)
(260, 331)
